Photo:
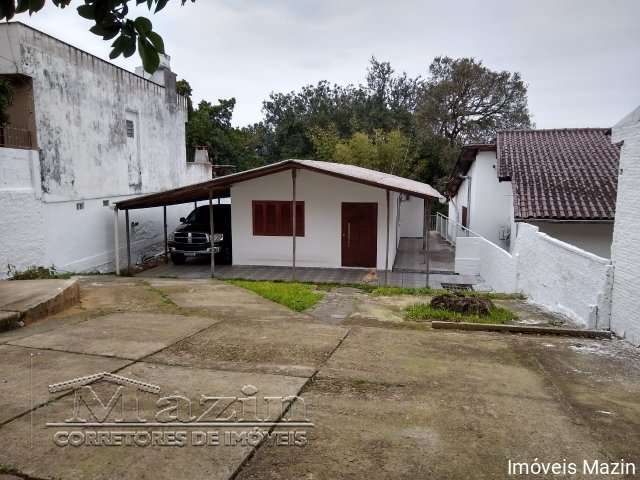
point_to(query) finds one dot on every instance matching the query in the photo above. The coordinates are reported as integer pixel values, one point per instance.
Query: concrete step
(25, 301)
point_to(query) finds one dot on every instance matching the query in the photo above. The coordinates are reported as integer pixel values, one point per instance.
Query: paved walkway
(410, 256)
(385, 402)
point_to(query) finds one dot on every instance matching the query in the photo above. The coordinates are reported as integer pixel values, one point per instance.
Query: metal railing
(448, 229)
(12, 137)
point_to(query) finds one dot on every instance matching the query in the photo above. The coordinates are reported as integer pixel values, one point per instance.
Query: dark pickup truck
(192, 238)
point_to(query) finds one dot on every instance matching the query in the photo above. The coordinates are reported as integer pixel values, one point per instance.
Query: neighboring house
(562, 181)
(625, 309)
(346, 216)
(83, 134)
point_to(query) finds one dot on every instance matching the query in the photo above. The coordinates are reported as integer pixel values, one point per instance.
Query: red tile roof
(568, 174)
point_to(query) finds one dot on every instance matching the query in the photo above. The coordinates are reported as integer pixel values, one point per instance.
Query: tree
(111, 21)
(184, 88)
(388, 152)
(295, 119)
(464, 101)
(210, 125)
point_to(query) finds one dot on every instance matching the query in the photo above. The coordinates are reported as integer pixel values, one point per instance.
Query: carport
(221, 188)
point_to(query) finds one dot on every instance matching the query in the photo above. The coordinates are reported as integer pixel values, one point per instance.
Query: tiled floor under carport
(384, 402)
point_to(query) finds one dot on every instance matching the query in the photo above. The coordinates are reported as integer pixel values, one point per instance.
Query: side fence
(553, 274)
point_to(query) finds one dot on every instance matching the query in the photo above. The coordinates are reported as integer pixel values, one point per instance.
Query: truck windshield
(199, 216)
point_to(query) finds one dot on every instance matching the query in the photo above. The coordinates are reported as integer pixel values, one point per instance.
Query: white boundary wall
(553, 274)
(625, 314)
(563, 278)
(478, 256)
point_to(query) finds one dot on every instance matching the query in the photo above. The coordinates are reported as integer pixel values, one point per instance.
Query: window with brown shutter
(274, 218)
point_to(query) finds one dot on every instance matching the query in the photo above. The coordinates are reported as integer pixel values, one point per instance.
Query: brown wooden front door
(359, 234)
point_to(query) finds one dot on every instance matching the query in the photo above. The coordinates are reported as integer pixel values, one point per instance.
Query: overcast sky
(581, 58)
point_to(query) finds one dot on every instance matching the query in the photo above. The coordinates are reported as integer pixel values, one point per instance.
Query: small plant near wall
(36, 273)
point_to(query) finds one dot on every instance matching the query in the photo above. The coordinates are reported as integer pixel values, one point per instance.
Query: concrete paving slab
(486, 363)
(224, 300)
(113, 294)
(291, 348)
(26, 373)
(396, 404)
(123, 335)
(600, 380)
(379, 431)
(68, 317)
(35, 299)
(38, 456)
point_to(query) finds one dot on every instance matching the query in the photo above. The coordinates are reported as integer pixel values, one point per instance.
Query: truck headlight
(218, 237)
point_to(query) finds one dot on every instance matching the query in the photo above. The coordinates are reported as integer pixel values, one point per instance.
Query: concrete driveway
(383, 402)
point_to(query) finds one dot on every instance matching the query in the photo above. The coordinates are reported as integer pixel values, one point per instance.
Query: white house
(83, 134)
(561, 181)
(346, 216)
(625, 309)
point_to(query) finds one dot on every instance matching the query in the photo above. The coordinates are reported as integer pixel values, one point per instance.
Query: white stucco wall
(592, 237)
(22, 236)
(563, 278)
(321, 245)
(553, 274)
(490, 208)
(478, 256)
(625, 312)
(411, 218)
(81, 104)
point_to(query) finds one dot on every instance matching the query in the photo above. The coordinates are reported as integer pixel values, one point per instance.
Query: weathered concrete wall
(22, 234)
(82, 105)
(321, 246)
(625, 314)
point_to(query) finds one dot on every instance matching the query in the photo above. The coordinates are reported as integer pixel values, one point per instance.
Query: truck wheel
(177, 258)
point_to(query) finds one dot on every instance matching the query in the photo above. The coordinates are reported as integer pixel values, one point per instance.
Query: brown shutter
(274, 218)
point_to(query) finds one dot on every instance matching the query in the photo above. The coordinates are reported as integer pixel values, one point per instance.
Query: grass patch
(37, 273)
(422, 312)
(295, 295)
(392, 291)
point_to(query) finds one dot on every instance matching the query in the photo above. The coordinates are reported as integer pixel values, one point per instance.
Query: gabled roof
(564, 174)
(221, 186)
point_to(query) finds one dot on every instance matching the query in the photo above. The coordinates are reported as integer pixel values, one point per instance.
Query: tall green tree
(386, 102)
(464, 101)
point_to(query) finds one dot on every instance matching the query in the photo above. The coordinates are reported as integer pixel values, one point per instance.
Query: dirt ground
(383, 402)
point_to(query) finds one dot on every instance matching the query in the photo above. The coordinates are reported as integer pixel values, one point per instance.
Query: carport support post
(211, 242)
(116, 240)
(386, 257)
(166, 244)
(126, 217)
(293, 224)
(425, 232)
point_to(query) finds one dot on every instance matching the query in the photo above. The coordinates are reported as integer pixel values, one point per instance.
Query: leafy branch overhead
(111, 22)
